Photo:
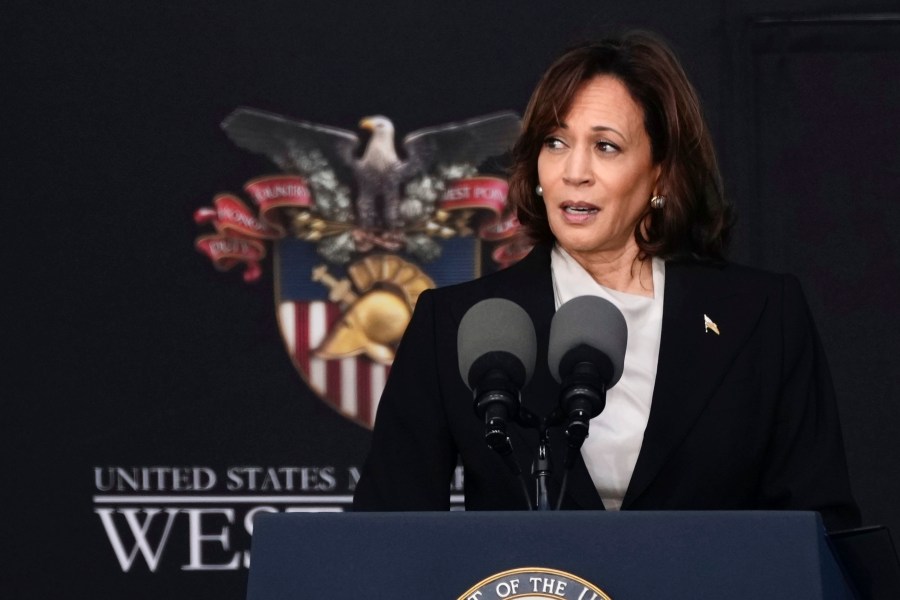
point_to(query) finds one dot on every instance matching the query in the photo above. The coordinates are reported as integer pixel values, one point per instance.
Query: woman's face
(597, 172)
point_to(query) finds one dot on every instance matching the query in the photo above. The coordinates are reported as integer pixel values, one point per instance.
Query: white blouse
(611, 449)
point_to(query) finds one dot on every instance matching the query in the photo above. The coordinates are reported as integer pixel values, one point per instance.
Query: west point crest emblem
(359, 231)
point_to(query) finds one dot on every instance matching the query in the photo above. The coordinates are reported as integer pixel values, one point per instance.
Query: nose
(578, 169)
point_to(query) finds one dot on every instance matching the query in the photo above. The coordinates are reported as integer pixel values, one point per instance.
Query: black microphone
(497, 347)
(586, 356)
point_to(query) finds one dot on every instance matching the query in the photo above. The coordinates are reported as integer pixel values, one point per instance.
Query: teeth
(580, 209)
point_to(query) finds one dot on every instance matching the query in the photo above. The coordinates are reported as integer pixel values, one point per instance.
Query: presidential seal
(531, 583)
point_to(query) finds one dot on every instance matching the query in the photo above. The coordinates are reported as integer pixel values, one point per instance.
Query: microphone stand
(542, 469)
(575, 410)
(542, 465)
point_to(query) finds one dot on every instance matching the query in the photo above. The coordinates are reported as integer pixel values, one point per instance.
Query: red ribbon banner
(226, 251)
(276, 192)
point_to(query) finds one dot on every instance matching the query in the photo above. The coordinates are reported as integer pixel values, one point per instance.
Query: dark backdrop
(124, 348)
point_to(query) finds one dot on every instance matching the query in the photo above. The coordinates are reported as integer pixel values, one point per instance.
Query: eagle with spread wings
(375, 190)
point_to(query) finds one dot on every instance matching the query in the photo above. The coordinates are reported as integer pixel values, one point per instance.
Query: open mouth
(579, 209)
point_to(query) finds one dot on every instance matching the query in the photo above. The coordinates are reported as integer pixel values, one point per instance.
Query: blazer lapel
(693, 358)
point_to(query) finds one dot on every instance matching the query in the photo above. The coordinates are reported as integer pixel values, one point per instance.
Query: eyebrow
(597, 128)
(606, 128)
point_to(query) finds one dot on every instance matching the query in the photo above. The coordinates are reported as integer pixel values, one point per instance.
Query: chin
(580, 243)
(584, 245)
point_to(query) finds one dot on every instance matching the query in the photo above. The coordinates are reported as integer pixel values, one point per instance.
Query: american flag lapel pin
(710, 325)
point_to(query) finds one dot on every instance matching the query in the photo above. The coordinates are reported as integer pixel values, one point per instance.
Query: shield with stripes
(342, 323)
(352, 385)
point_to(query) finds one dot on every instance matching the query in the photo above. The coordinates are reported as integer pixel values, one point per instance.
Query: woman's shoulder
(729, 273)
(704, 280)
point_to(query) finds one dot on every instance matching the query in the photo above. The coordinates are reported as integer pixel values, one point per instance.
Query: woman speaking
(725, 401)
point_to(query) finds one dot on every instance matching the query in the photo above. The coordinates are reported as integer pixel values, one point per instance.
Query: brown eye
(607, 147)
(553, 143)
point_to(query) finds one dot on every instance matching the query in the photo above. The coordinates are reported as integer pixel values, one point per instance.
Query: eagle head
(380, 153)
(378, 125)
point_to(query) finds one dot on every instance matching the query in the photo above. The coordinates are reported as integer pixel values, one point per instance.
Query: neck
(622, 271)
(381, 150)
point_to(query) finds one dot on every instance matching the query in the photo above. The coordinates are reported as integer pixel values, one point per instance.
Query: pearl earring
(539, 190)
(657, 202)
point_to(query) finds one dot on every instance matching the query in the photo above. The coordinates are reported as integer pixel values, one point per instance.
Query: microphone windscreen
(496, 328)
(588, 321)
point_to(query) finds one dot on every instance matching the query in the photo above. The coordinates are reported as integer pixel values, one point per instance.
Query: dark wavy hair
(696, 219)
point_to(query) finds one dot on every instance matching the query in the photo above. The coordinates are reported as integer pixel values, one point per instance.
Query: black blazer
(742, 420)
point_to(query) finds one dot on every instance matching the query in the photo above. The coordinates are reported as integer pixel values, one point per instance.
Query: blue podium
(627, 555)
